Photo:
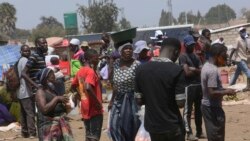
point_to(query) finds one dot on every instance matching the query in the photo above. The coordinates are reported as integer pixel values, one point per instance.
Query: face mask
(244, 35)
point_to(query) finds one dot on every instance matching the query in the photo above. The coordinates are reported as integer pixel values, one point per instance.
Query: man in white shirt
(239, 56)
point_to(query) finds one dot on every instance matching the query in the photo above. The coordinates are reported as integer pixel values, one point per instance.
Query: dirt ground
(237, 125)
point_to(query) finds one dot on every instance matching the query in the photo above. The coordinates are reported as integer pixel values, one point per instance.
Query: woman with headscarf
(124, 122)
(51, 122)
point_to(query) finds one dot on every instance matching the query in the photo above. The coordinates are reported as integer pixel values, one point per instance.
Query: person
(91, 97)
(64, 64)
(157, 41)
(141, 51)
(51, 121)
(60, 79)
(105, 53)
(36, 62)
(213, 92)
(192, 68)
(5, 115)
(107, 48)
(26, 98)
(239, 57)
(85, 46)
(205, 42)
(160, 85)
(124, 122)
(197, 49)
(75, 49)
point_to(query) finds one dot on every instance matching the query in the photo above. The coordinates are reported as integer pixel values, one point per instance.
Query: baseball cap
(241, 28)
(158, 32)
(84, 44)
(188, 40)
(140, 45)
(75, 41)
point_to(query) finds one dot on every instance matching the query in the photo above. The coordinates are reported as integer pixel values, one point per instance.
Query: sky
(138, 12)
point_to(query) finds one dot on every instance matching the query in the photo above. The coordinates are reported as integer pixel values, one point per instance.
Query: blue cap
(188, 40)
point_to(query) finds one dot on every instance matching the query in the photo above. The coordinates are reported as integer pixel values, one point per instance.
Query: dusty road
(237, 126)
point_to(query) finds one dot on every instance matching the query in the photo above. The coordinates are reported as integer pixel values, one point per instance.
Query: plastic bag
(142, 134)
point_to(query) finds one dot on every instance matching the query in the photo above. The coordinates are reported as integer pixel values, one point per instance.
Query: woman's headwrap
(42, 75)
(122, 46)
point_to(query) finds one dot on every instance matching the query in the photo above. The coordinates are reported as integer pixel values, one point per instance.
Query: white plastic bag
(142, 134)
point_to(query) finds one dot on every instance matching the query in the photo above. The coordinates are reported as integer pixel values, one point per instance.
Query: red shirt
(65, 67)
(88, 103)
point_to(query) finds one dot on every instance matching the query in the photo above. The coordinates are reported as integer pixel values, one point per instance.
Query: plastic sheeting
(9, 54)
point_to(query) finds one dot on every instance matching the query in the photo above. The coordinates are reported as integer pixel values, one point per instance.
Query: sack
(12, 78)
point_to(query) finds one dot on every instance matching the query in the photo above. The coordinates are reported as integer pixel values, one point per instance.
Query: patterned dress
(124, 121)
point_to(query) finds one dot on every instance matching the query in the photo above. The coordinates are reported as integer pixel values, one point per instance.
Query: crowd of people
(164, 75)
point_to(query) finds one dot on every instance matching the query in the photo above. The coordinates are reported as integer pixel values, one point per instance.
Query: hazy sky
(138, 12)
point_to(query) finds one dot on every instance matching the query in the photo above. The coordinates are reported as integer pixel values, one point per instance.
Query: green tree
(48, 27)
(199, 14)
(246, 13)
(7, 18)
(124, 23)
(191, 18)
(182, 18)
(99, 16)
(220, 14)
(21, 34)
(165, 19)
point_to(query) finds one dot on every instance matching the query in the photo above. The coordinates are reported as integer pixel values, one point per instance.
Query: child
(88, 82)
(59, 88)
(213, 92)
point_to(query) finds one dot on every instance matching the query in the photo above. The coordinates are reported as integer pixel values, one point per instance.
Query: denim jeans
(241, 67)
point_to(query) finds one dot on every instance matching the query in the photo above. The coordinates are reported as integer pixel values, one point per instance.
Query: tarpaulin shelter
(9, 54)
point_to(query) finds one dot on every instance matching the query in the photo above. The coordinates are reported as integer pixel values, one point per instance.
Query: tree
(48, 27)
(246, 13)
(243, 11)
(165, 19)
(21, 34)
(182, 18)
(99, 16)
(220, 14)
(191, 18)
(124, 23)
(7, 18)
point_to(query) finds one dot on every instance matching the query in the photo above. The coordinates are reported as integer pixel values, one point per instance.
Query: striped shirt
(36, 63)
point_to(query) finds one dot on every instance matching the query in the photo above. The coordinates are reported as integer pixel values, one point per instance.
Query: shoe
(25, 134)
(200, 136)
(32, 137)
(191, 137)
